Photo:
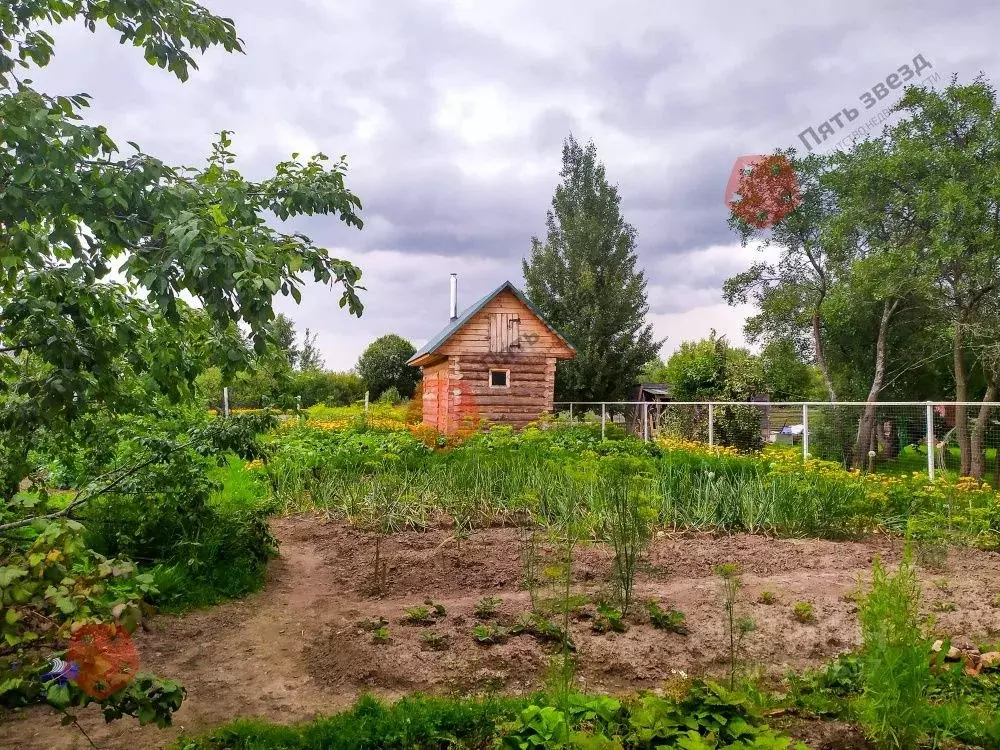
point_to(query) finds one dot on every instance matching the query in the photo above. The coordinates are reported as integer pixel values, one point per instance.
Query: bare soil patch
(295, 651)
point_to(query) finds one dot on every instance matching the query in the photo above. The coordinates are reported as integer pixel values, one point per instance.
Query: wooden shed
(495, 362)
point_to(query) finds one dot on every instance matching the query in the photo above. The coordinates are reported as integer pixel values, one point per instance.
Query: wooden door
(505, 332)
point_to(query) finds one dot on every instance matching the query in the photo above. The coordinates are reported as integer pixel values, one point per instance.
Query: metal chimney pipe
(454, 296)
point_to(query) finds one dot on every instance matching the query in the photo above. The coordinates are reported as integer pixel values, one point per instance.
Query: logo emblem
(105, 659)
(762, 190)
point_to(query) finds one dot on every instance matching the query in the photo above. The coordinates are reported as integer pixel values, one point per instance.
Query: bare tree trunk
(867, 424)
(962, 395)
(977, 466)
(820, 357)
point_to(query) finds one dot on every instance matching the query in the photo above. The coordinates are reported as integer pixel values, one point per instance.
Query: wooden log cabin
(494, 362)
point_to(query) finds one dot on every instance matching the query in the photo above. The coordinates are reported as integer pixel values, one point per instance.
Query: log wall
(436, 394)
(528, 395)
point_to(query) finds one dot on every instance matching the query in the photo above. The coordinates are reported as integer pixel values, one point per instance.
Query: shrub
(162, 517)
(330, 388)
(390, 396)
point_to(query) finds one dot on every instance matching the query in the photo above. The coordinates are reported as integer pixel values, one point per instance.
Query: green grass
(230, 564)
(416, 721)
(241, 490)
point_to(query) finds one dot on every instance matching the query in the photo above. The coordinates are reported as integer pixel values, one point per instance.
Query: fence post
(603, 418)
(645, 420)
(805, 432)
(571, 412)
(225, 401)
(366, 402)
(931, 441)
(711, 423)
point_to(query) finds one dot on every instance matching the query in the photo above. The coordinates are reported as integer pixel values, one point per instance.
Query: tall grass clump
(895, 664)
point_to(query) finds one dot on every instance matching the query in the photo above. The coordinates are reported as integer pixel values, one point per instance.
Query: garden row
(392, 475)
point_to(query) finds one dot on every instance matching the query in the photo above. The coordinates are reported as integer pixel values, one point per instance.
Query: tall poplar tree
(583, 278)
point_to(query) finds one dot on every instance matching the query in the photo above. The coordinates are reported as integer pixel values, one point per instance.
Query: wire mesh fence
(899, 436)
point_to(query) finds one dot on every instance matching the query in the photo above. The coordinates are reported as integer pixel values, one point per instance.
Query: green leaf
(58, 696)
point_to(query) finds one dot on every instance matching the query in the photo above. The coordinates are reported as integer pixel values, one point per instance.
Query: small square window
(498, 378)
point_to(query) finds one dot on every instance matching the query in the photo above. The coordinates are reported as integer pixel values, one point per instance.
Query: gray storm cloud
(452, 115)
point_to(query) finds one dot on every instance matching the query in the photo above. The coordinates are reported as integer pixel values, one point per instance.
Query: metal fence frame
(805, 405)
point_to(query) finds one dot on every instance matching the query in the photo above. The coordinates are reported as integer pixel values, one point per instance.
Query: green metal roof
(435, 343)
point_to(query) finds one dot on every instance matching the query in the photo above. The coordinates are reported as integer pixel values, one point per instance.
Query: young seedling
(372, 624)
(853, 596)
(943, 607)
(490, 634)
(541, 628)
(803, 612)
(435, 641)
(427, 614)
(487, 607)
(767, 597)
(417, 616)
(608, 620)
(942, 584)
(381, 636)
(667, 619)
(995, 601)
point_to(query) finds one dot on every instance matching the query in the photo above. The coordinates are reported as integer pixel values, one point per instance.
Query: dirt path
(293, 651)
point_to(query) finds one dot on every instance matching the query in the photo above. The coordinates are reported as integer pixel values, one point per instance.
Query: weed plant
(667, 619)
(528, 542)
(735, 625)
(487, 607)
(803, 612)
(566, 529)
(621, 500)
(895, 665)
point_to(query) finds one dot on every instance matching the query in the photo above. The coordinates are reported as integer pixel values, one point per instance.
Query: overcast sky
(453, 112)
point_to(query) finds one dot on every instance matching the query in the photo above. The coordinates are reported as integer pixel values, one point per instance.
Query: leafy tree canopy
(383, 366)
(74, 206)
(711, 369)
